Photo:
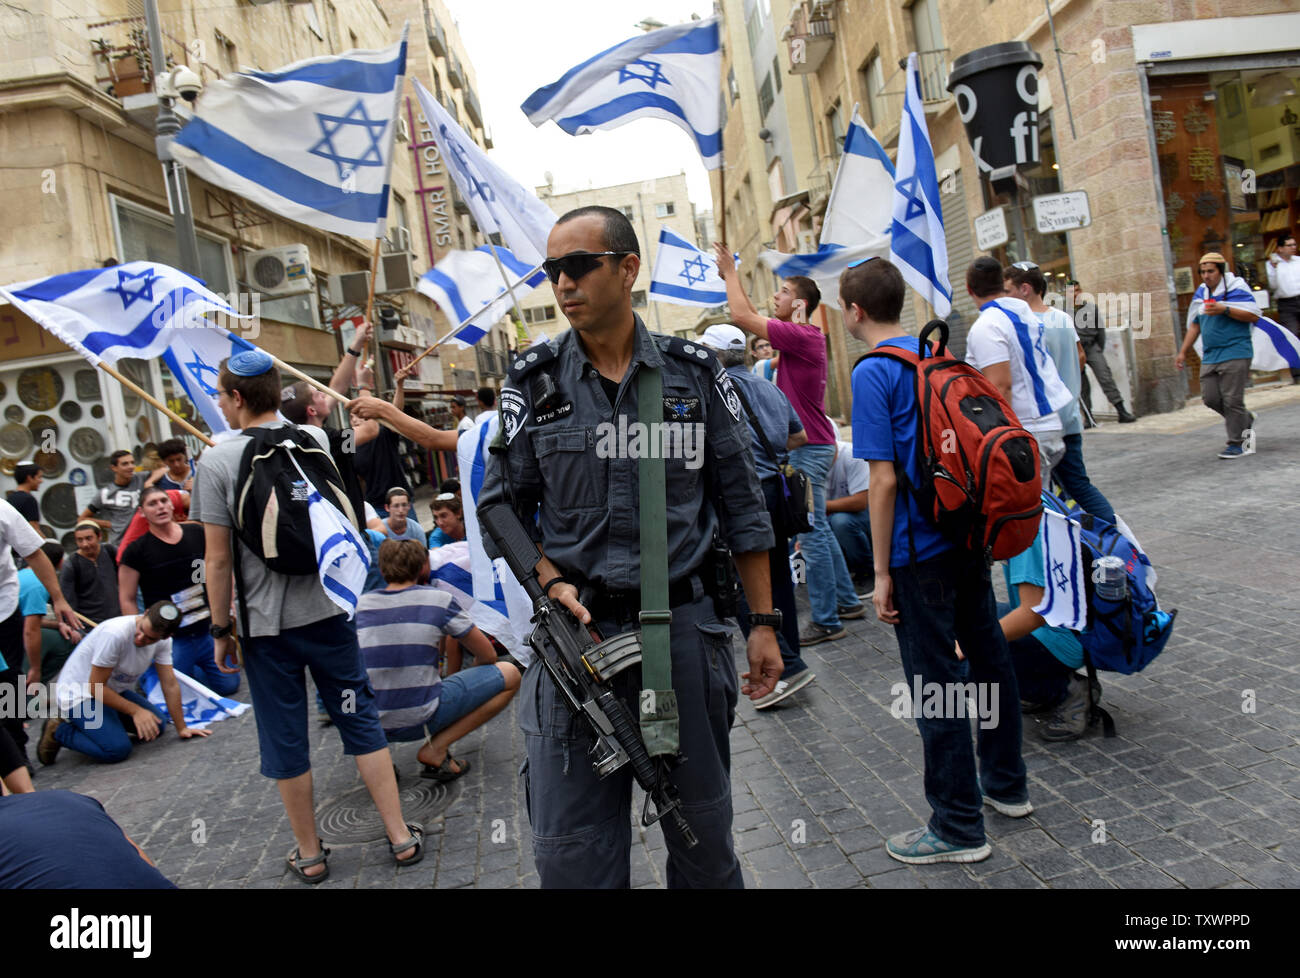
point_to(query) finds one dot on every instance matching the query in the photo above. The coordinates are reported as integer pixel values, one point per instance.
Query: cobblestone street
(1197, 790)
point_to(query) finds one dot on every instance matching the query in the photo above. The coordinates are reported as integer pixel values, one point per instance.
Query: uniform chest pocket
(682, 442)
(573, 475)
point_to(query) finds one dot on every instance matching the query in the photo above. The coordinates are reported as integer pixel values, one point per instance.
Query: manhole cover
(352, 817)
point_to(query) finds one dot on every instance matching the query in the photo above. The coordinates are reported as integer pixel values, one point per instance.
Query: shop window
(145, 235)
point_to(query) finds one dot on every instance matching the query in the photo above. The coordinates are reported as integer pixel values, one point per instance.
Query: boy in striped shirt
(399, 629)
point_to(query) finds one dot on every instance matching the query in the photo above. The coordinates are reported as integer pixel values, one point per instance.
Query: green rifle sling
(657, 708)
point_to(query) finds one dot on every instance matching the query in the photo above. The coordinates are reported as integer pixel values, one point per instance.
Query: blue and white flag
(918, 246)
(200, 706)
(140, 309)
(467, 286)
(342, 557)
(859, 213)
(685, 275)
(498, 202)
(493, 584)
(1275, 347)
(312, 141)
(1064, 601)
(450, 571)
(673, 73)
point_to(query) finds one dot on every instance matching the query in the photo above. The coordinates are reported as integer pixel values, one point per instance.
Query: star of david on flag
(673, 73)
(917, 243)
(312, 141)
(1064, 601)
(676, 259)
(163, 315)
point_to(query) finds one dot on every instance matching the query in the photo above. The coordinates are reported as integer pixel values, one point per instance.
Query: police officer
(563, 466)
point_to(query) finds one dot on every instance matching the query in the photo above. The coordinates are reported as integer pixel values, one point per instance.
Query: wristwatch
(774, 619)
(221, 631)
(356, 353)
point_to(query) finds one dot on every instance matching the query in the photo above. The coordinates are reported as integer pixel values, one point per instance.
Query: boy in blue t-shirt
(935, 594)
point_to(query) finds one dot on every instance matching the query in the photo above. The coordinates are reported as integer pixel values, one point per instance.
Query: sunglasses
(576, 265)
(1024, 266)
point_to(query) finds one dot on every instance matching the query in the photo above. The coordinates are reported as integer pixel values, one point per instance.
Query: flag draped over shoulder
(1064, 601)
(200, 706)
(858, 215)
(917, 243)
(467, 284)
(312, 141)
(1275, 347)
(342, 557)
(673, 73)
(492, 583)
(140, 309)
(685, 275)
(498, 203)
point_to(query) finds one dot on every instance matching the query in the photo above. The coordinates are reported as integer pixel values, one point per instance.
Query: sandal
(416, 840)
(297, 864)
(444, 773)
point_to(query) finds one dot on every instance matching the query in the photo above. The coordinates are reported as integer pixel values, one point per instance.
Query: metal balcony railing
(437, 39)
(472, 107)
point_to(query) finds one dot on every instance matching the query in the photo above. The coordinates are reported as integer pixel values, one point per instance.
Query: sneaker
(815, 633)
(48, 748)
(784, 688)
(1018, 809)
(921, 846)
(1233, 451)
(851, 612)
(866, 592)
(1069, 721)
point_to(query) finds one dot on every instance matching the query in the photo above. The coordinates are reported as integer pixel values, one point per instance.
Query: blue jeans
(458, 696)
(192, 655)
(1073, 477)
(829, 585)
(101, 734)
(853, 533)
(941, 601)
(1041, 676)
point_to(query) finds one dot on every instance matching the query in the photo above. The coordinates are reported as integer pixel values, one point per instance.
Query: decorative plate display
(39, 425)
(7, 465)
(14, 413)
(97, 411)
(70, 411)
(86, 445)
(53, 463)
(40, 388)
(15, 440)
(87, 384)
(103, 470)
(59, 505)
(77, 477)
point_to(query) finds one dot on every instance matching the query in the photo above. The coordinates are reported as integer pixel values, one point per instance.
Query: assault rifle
(581, 666)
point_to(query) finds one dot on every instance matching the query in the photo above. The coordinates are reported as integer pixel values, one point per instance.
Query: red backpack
(980, 478)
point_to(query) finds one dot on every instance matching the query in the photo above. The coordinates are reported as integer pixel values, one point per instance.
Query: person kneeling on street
(96, 688)
(399, 629)
(1044, 656)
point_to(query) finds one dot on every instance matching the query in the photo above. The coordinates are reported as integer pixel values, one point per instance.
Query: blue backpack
(1122, 636)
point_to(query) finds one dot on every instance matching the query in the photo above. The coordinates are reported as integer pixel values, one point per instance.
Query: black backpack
(271, 498)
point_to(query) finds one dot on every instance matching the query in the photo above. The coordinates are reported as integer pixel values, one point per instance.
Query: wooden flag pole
(370, 300)
(137, 389)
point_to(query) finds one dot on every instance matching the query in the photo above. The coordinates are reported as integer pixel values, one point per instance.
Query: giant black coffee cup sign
(996, 89)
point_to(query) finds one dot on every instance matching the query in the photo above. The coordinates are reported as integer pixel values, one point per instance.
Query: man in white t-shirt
(1007, 346)
(96, 688)
(463, 421)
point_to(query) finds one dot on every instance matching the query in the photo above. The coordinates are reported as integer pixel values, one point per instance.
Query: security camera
(180, 82)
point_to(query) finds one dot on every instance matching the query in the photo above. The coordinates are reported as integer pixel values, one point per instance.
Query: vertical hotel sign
(430, 183)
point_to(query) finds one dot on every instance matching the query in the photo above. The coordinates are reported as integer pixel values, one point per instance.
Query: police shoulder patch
(512, 413)
(526, 361)
(727, 391)
(696, 353)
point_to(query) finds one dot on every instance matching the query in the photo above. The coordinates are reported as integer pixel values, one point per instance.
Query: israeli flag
(140, 309)
(492, 583)
(200, 706)
(1275, 347)
(468, 288)
(342, 557)
(1064, 601)
(673, 74)
(499, 203)
(859, 213)
(450, 571)
(684, 275)
(918, 246)
(312, 141)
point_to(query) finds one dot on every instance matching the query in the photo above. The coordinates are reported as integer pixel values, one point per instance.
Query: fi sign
(996, 90)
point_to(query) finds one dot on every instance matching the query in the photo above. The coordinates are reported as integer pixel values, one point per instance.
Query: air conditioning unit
(349, 289)
(281, 271)
(397, 271)
(807, 242)
(398, 239)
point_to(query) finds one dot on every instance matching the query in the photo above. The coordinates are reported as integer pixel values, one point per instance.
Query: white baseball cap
(723, 336)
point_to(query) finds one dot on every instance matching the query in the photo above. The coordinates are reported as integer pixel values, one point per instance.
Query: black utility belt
(625, 606)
